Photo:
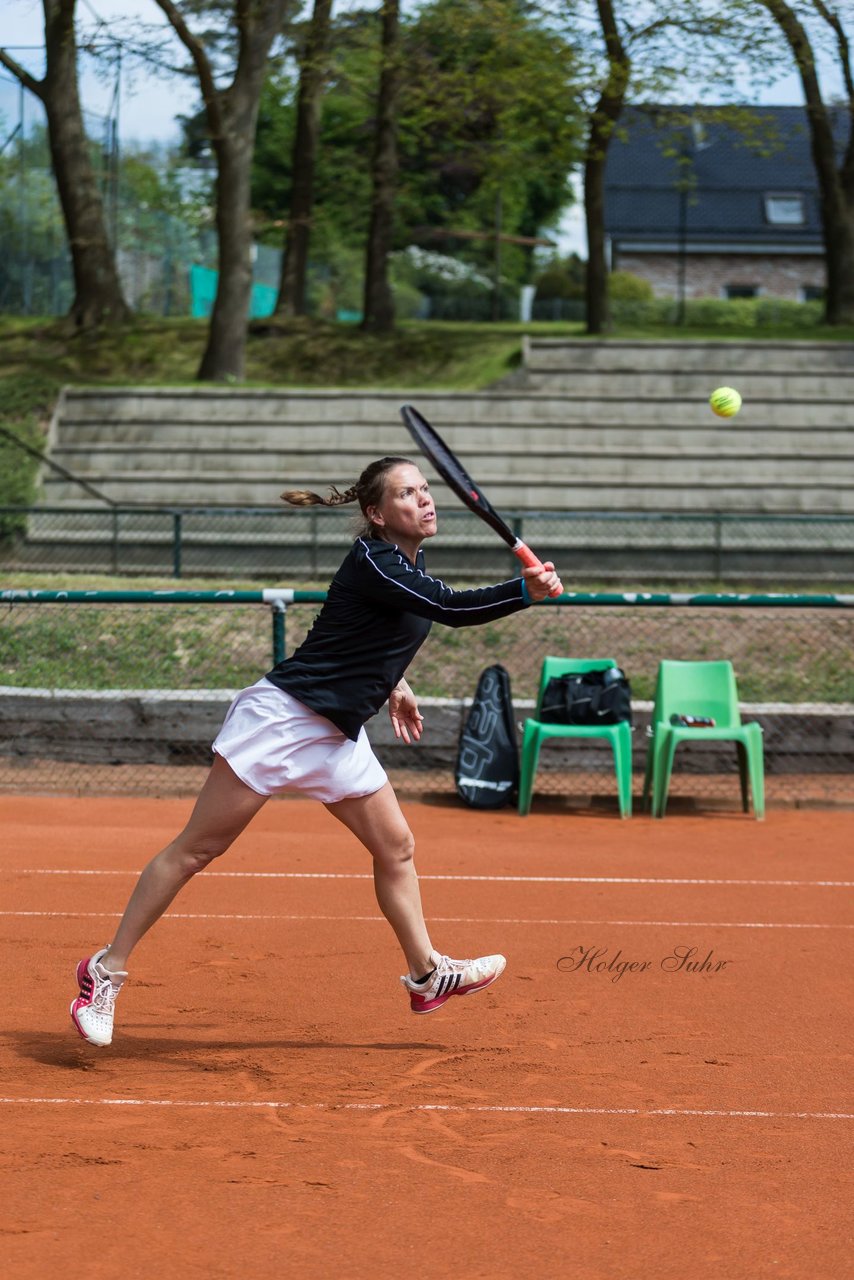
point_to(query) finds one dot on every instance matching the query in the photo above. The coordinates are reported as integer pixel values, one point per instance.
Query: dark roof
(730, 177)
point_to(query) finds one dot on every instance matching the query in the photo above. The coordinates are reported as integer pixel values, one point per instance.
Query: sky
(148, 106)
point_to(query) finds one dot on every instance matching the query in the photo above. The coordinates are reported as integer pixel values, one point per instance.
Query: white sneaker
(451, 978)
(92, 1011)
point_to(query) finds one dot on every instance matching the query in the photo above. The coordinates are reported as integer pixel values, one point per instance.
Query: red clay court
(270, 1106)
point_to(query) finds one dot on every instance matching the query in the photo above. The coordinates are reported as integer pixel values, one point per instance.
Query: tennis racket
(457, 478)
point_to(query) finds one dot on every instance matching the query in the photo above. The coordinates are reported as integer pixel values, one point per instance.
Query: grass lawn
(300, 353)
(198, 646)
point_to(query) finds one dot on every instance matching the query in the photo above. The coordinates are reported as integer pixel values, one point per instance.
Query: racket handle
(529, 560)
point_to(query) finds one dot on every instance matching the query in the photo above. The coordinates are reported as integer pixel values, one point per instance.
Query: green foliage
(781, 311)
(25, 406)
(720, 313)
(336, 287)
(623, 286)
(160, 207)
(342, 181)
(561, 278)
(157, 182)
(486, 109)
(431, 273)
(729, 316)
(31, 227)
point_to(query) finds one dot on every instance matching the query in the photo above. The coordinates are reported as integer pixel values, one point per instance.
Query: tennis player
(301, 729)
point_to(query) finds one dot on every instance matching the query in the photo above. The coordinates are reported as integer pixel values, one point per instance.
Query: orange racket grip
(529, 560)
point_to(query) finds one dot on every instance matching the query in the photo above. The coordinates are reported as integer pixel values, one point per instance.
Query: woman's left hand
(406, 719)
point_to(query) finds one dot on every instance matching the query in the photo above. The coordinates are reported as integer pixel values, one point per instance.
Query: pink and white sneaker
(451, 978)
(92, 1011)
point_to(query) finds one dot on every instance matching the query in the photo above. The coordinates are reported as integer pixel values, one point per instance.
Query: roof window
(785, 208)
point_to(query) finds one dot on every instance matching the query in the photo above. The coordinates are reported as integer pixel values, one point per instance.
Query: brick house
(743, 222)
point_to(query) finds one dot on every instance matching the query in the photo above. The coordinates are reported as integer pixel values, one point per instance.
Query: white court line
(358, 875)
(675, 924)
(248, 1104)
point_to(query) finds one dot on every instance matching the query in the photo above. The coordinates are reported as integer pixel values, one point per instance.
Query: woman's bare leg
(377, 821)
(224, 807)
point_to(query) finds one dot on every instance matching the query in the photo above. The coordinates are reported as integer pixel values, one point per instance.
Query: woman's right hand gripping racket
(457, 478)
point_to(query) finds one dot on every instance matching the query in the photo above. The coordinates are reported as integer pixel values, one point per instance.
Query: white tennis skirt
(275, 743)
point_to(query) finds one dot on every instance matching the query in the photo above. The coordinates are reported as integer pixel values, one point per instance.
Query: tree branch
(844, 50)
(713, 27)
(196, 50)
(798, 41)
(830, 178)
(28, 81)
(832, 20)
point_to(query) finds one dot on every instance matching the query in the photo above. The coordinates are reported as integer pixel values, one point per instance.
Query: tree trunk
(378, 308)
(232, 116)
(835, 181)
(292, 284)
(596, 275)
(839, 254)
(602, 124)
(224, 359)
(98, 296)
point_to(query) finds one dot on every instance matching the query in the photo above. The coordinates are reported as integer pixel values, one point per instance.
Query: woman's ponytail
(305, 498)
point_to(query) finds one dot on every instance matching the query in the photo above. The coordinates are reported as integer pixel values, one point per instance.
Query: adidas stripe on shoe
(93, 1009)
(451, 978)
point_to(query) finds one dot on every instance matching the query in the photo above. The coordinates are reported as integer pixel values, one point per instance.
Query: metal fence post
(114, 542)
(279, 609)
(177, 542)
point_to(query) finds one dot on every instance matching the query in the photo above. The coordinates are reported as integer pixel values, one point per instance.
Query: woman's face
(406, 513)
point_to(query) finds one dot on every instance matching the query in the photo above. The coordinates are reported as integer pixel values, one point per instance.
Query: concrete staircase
(581, 427)
(605, 427)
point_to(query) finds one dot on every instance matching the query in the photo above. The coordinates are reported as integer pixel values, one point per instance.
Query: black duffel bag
(588, 698)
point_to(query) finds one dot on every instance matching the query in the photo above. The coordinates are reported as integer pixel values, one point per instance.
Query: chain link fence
(307, 546)
(123, 692)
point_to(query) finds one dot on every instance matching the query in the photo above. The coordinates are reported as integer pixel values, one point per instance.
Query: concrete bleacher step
(483, 452)
(618, 401)
(733, 357)
(293, 417)
(269, 470)
(771, 389)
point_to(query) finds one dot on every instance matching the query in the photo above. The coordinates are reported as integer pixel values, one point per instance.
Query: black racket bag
(487, 768)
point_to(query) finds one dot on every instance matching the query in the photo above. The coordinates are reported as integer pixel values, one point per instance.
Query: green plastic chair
(701, 689)
(535, 733)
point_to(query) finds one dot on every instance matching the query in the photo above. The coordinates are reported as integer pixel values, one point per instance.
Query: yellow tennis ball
(725, 402)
